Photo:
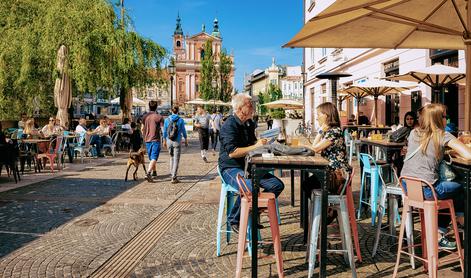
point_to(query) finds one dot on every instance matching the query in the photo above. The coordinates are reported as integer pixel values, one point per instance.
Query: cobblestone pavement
(92, 223)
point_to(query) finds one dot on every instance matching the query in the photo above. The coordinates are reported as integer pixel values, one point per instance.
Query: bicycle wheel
(298, 131)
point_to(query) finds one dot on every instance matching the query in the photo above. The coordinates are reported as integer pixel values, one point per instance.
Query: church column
(192, 87)
(187, 87)
(187, 50)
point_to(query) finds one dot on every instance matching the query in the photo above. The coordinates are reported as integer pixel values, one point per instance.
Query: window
(391, 67)
(273, 81)
(324, 52)
(295, 85)
(284, 87)
(313, 56)
(178, 44)
(289, 87)
(202, 54)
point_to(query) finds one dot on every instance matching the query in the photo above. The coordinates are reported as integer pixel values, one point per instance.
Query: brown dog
(135, 159)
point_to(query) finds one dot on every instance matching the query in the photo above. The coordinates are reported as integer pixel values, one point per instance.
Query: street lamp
(171, 72)
(214, 84)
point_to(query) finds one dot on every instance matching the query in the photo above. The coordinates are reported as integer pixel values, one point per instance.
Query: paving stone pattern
(71, 225)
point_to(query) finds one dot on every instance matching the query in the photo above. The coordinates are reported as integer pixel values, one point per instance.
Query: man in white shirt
(215, 127)
(82, 126)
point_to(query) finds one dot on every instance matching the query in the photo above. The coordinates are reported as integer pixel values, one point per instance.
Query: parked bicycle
(305, 130)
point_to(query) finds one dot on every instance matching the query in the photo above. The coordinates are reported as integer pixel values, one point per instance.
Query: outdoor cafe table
(383, 144)
(462, 168)
(367, 129)
(315, 164)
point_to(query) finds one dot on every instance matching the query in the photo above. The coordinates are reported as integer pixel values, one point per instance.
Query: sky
(253, 31)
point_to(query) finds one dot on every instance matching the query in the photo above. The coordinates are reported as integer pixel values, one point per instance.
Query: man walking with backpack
(174, 129)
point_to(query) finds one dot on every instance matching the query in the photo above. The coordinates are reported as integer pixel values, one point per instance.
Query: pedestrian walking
(269, 122)
(215, 127)
(174, 130)
(202, 120)
(152, 123)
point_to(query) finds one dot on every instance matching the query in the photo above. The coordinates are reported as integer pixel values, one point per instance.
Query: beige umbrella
(377, 88)
(355, 93)
(287, 104)
(197, 101)
(428, 24)
(62, 87)
(436, 77)
(135, 101)
(218, 102)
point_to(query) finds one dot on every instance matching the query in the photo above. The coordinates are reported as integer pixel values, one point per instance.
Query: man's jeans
(99, 141)
(174, 149)
(268, 182)
(214, 134)
(447, 190)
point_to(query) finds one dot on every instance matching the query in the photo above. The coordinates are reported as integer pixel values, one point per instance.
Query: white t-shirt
(80, 129)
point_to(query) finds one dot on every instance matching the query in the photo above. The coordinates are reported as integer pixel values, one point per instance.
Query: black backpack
(172, 129)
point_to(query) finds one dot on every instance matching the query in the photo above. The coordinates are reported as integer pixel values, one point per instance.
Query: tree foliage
(208, 72)
(101, 54)
(224, 72)
(274, 93)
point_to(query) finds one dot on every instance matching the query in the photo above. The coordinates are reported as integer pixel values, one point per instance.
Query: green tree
(208, 72)
(262, 98)
(224, 71)
(101, 54)
(274, 93)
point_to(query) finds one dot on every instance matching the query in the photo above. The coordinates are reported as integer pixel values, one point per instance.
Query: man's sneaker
(149, 177)
(154, 173)
(205, 159)
(445, 244)
(175, 180)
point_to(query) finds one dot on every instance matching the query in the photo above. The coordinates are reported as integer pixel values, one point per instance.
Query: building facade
(287, 78)
(188, 53)
(365, 64)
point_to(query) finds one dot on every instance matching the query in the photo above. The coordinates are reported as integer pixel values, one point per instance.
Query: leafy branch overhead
(101, 54)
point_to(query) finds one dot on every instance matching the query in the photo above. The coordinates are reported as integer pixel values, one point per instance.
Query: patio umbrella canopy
(288, 104)
(197, 101)
(135, 101)
(62, 87)
(377, 88)
(426, 24)
(218, 102)
(437, 77)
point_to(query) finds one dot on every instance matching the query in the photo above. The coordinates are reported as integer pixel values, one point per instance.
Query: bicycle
(305, 130)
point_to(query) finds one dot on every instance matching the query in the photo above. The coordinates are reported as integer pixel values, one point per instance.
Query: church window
(178, 43)
(202, 54)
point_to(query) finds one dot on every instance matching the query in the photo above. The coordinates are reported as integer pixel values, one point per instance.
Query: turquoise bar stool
(374, 170)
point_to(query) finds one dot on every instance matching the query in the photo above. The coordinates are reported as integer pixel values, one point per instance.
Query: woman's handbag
(336, 182)
(400, 135)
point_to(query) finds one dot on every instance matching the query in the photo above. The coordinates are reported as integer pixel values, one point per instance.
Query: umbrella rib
(418, 22)
(423, 80)
(459, 16)
(426, 18)
(343, 23)
(351, 9)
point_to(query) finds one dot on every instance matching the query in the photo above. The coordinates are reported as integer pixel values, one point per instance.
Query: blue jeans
(446, 190)
(99, 141)
(268, 182)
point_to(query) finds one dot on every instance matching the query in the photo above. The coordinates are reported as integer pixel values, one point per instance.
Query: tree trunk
(125, 101)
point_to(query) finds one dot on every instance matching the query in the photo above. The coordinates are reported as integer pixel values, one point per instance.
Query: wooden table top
(33, 141)
(374, 127)
(384, 143)
(291, 160)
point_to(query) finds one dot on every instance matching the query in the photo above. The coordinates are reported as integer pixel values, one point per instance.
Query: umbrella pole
(467, 95)
(376, 111)
(358, 111)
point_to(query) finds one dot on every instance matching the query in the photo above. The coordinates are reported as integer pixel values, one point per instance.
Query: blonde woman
(426, 147)
(30, 131)
(330, 143)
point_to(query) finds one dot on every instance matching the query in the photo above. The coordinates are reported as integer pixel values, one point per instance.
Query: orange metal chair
(266, 202)
(52, 153)
(429, 210)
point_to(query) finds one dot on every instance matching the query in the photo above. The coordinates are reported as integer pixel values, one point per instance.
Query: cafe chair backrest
(348, 182)
(243, 188)
(413, 188)
(367, 161)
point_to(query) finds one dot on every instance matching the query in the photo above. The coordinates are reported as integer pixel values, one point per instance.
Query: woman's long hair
(431, 127)
(329, 109)
(29, 126)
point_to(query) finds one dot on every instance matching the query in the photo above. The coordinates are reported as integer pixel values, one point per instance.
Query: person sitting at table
(101, 136)
(352, 120)
(50, 129)
(30, 131)
(426, 146)
(237, 139)
(82, 126)
(126, 126)
(22, 122)
(330, 143)
(58, 126)
(363, 120)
